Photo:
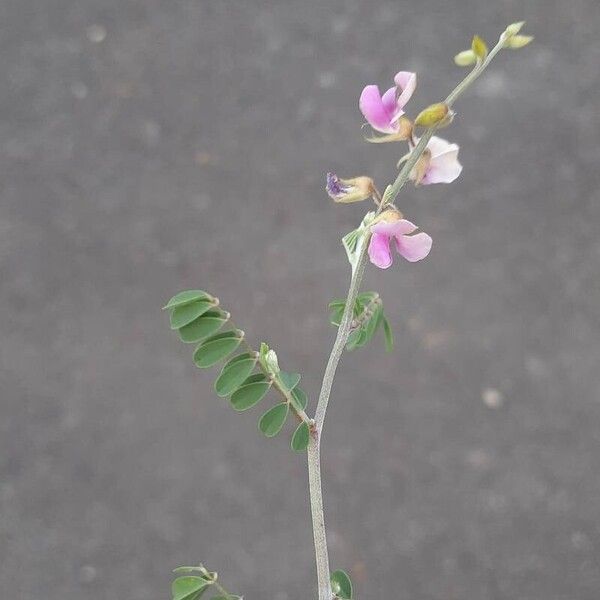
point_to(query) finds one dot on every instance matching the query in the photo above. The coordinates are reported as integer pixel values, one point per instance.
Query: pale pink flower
(383, 112)
(441, 166)
(411, 247)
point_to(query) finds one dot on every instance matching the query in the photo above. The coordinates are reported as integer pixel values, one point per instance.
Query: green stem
(300, 414)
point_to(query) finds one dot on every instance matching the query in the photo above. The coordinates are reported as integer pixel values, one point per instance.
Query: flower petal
(443, 168)
(379, 250)
(389, 101)
(404, 227)
(437, 145)
(395, 228)
(414, 247)
(375, 112)
(407, 82)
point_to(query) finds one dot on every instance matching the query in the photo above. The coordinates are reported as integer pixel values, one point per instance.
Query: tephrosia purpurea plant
(247, 378)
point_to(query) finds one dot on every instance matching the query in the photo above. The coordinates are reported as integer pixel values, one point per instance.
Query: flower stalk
(314, 447)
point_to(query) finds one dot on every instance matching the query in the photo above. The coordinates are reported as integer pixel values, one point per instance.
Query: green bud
(479, 47)
(514, 28)
(272, 362)
(268, 359)
(432, 115)
(518, 41)
(465, 58)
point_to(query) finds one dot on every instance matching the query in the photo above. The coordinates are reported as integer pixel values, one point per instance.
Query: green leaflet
(341, 585)
(389, 336)
(202, 327)
(251, 392)
(289, 380)
(234, 373)
(182, 315)
(301, 438)
(273, 420)
(216, 348)
(186, 297)
(299, 398)
(188, 587)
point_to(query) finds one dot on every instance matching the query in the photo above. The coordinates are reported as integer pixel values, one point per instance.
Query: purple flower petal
(374, 110)
(395, 228)
(414, 247)
(379, 250)
(335, 188)
(389, 102)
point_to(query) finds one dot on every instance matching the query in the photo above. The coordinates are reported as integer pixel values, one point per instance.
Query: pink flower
(383, 112)
(440, 166)
(411, 247)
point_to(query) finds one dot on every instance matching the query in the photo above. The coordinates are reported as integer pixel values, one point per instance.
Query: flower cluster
(440, 164)
(437, 164)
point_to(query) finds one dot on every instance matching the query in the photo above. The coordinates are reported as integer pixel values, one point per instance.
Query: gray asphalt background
(150, 146)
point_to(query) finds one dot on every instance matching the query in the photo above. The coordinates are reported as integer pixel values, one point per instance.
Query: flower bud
(514, 28)
(268, 359)
(271, 362)
(432, 115)
(518, 41)
(479, 47)
(465, 58)
(349, 190)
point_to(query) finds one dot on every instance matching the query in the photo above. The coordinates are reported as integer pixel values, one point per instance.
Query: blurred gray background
(150, 146)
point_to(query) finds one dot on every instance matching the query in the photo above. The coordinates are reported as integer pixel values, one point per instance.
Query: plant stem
(314, 446)
(318, 517)
(475, 73)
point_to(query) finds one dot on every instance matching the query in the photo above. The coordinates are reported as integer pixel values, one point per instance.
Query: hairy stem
(314, 447)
